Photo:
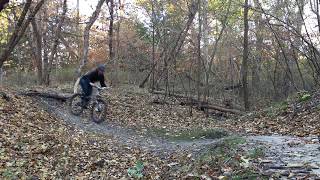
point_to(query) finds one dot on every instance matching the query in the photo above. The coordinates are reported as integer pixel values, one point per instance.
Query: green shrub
(136, 171)
(222, 152)
(304, 97)
(256, 153)
(248, 174)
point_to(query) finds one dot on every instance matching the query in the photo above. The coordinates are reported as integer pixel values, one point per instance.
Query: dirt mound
(299, 116)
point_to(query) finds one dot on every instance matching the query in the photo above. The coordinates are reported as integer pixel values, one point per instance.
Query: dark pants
(86, 89)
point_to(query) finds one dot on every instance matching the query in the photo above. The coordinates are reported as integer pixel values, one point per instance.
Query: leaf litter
(46, 146)
(35, 144)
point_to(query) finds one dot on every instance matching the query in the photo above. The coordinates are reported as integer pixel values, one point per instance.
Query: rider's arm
(102, 83)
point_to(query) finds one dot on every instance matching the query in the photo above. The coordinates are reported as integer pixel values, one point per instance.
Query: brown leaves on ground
(133, 107)
(34, 144)
(298, 118)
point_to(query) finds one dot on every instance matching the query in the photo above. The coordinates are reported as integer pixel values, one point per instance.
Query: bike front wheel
(98, 111)
(75, 104)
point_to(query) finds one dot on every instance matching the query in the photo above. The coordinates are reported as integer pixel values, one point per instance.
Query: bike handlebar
(99, 88)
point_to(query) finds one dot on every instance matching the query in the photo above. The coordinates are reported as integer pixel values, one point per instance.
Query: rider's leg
(87, 90)
(88, 94)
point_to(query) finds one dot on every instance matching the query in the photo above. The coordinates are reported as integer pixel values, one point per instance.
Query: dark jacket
(94, 76)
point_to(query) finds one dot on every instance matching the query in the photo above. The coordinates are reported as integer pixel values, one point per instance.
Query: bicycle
(96, 105)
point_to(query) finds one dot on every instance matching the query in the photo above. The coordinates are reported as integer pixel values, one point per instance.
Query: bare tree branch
(86, 35)
(19, 30)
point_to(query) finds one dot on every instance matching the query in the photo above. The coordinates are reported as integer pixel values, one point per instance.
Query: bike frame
(95, 93)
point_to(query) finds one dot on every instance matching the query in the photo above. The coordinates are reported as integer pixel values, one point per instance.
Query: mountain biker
(87, 80)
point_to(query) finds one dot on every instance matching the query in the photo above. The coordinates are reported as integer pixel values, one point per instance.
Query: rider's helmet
(101, 68)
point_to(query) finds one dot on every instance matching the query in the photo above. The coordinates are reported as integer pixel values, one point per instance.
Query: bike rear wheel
(98, 111)
(75, 104)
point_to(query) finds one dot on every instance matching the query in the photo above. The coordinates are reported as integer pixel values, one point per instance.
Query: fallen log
(53, 95)
(172, 95)
(201, 105)
(214, 107)
(232, 87)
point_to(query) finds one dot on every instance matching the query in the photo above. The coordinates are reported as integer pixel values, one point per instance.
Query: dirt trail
(128, 137)
(285, 156)
(289, 157)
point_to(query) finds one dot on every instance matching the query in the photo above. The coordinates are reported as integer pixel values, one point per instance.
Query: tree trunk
(86, 35)
(206, 48)
(153, 42)
(118, 56)
(110, 32)
(110, 36)
(258, 21)
(318, 14)
(1, 76)
(245, 57)
(78, 32)
(53, 49)
(199, 59)
(19, 30)
(38, 50)
(208, 68)
(45, 64)
(173, 52)
(11, 43)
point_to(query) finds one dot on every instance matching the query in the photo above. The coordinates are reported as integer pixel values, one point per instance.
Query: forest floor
(41, 139)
